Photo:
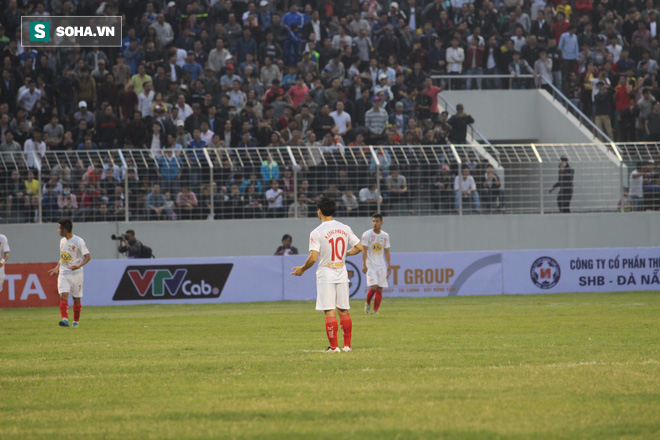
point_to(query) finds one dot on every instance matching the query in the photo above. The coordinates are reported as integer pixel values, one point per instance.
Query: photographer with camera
(135, 248)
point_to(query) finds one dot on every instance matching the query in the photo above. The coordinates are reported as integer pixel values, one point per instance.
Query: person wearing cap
(127, 243)
(383, 87)
(398, 119)
(227, 80)
(84, 113)
(388, 44)
(565, 185)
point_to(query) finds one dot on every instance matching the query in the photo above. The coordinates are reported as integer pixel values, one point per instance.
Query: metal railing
(530, 83)
(128, 185)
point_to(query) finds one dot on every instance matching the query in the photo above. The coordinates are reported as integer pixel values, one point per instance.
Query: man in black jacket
(565, 184)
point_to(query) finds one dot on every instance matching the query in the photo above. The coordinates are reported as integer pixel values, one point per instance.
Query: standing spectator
(474, 62)
(376, 121)
(565, 185)
(459, 124)
(568, 45)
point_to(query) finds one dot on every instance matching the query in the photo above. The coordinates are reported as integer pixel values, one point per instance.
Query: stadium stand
(206, 102)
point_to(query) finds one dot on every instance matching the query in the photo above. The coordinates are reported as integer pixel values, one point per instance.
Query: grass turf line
(505, 367)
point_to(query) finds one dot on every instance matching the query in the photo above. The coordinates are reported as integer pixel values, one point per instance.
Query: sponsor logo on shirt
(377, 248)
(65, 257)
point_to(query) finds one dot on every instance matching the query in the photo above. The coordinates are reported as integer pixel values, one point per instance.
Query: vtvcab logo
(173, 282)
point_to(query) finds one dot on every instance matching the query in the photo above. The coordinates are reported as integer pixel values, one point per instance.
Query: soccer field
(575, 366)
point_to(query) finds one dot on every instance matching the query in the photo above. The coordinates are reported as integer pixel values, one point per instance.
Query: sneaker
(75, 324)
(367, 308)
(347, 349)
(333, 350)
(64, 323)
(375, 312)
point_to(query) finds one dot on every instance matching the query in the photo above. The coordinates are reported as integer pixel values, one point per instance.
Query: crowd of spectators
(242, 74)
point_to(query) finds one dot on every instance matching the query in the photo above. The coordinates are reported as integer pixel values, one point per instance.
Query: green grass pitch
(575, 366)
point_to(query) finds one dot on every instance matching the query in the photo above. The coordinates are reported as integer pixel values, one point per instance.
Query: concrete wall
(520, 114)
(35, 243)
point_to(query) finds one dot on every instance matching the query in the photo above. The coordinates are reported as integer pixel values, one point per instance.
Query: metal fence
(283, 182)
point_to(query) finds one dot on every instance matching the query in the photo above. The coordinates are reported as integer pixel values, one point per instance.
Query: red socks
(346, 328)
(64, 309)
(76, 311)
(370, 294)
(377, 300)
(331, 328)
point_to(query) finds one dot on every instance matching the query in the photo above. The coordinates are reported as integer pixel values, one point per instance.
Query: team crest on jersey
(372, 238)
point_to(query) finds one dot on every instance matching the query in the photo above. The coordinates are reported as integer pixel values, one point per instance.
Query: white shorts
(71, 283)
(332, 296)
(377, 277)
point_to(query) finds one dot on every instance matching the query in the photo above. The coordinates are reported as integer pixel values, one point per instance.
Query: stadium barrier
(225, 280)
(119, 185)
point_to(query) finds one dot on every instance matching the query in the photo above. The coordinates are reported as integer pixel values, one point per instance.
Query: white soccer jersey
(332, 240)
(4, 247)
(374, 245)
(72, 253)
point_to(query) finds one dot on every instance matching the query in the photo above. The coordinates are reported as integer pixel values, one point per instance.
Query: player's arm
(55, 270)
(311, 260)
(86, 259)
(387, 258)
(356, 250)
(364, 262)
(4, 259)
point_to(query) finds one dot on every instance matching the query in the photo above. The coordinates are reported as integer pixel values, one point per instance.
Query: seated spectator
(466, 191)
(286, 248)
(156, 204)
(491, 192)
(397, 190)
(275, 198)
(252, 203)
(187, 205)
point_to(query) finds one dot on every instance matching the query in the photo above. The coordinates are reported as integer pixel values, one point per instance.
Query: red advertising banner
(29, 285)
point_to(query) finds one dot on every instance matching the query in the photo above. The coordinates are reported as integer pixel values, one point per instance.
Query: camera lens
(113, 236)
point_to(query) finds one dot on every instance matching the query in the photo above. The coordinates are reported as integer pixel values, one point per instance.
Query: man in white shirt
(34, 147)
(376, 261)
(30, 96)
(330, 244)
(341, 118)
(146, 99)
(4, 248)
(466, 190)
(275, 198)
(73, 256)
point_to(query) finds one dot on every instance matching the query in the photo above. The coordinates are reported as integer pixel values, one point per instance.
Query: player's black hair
(66, 224)
(377, 215)
(285, 236)
(327, 206)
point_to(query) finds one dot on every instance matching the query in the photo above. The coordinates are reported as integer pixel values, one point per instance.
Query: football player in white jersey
(4, 249)
(73, 256)
(376, 261)
(330, 244)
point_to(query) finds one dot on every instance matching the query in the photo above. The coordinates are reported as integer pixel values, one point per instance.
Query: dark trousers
(564, 200)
